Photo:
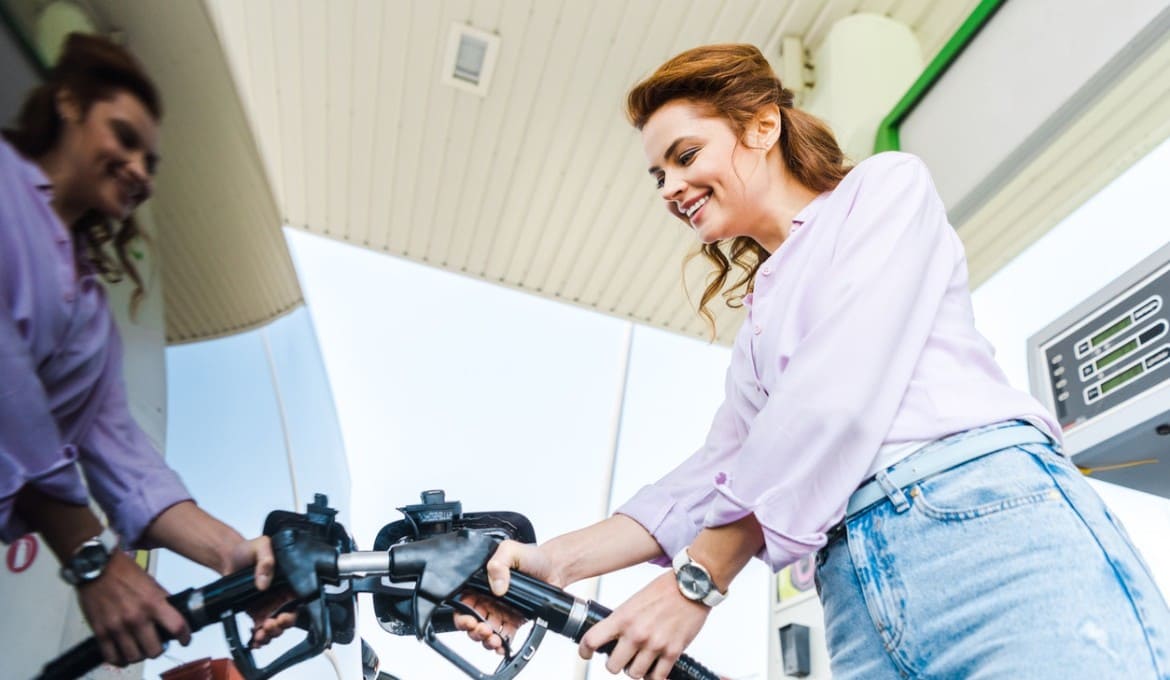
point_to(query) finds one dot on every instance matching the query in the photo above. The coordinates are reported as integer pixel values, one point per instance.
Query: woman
(80, 159)
(865, 419)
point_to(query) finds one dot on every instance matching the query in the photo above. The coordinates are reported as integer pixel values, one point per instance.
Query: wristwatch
(89, 560)
(694, 581)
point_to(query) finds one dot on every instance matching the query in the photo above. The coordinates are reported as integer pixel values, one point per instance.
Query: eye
(127, 137)
(660, 181)
(687, 156)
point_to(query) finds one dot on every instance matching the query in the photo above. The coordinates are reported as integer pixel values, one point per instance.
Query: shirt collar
(808, 212)
(29, 171)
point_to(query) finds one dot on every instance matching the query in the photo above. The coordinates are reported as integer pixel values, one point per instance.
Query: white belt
(940, 456)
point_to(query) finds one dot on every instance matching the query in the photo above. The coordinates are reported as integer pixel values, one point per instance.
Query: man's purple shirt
(63, 408)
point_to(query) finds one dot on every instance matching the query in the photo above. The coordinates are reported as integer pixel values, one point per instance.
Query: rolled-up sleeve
(674, 507)
(31, 447)
(811, 444)
(126, 474)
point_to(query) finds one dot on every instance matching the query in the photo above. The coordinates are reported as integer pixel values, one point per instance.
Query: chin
(708, 234)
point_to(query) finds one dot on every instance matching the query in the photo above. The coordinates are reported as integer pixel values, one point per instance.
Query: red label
(21, 553)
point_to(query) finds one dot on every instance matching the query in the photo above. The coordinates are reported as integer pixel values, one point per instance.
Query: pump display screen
(1117, 354)
(1113, 330)
(1112, 354)
(1118, 380)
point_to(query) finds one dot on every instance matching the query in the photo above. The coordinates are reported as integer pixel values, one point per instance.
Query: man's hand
(123, 606)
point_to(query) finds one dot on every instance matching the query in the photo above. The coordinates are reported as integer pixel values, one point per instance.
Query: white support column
(865, 65)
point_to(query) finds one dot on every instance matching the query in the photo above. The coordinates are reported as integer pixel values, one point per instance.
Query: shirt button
(720, 478)
(757, 330)
(766, 271)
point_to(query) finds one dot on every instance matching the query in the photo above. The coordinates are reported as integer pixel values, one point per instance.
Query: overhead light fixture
(55, 21)
(471, 58)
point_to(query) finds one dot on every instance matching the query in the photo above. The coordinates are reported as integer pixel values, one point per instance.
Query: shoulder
(888, 167)
(17, 174)
(890, 177)
(11, 162)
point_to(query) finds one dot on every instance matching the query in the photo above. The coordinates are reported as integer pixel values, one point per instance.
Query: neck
(58, 170)
(786, 198)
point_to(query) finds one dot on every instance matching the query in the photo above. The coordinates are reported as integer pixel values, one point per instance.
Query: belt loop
(1053, 442)
(892, 492)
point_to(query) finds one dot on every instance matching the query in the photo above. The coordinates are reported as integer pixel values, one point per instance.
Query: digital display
(1116, 354)
(1117, 380)
(1113, 330)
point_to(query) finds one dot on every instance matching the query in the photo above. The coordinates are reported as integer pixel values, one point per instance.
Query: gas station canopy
(340, 119)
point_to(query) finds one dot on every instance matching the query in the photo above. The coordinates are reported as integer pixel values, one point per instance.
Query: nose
(141, 175)
(672, 187)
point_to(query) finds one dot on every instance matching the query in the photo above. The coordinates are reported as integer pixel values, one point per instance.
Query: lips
(694, 207)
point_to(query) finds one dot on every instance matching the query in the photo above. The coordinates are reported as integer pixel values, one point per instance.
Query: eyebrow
(654, 169)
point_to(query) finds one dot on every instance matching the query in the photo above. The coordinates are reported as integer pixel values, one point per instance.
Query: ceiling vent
(471, 57)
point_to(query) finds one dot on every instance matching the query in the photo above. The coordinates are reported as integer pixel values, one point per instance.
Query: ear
(68, 107)
(763, 130)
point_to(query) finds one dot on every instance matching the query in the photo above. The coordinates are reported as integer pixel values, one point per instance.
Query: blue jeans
(1008, 566)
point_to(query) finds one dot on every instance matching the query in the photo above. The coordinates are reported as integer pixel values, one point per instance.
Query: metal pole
(292, 471)
(618, 417)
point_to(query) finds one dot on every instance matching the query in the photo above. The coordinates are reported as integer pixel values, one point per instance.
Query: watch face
(693, 581)
(89, 561)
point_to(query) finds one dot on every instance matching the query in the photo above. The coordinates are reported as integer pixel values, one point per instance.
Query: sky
(510, 401)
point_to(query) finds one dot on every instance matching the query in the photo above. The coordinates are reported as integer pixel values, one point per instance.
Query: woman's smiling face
(694, 157)
(113, 147)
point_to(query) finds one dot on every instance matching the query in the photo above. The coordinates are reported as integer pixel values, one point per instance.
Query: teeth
(698, 204)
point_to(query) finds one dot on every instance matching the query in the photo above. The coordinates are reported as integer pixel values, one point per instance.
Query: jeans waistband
(937, 457)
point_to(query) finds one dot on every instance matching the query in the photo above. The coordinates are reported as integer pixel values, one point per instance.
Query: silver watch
(90, 558)
(694, 581)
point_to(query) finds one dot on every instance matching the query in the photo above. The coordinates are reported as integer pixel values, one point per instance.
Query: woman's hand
(500, 621)
(652, 629)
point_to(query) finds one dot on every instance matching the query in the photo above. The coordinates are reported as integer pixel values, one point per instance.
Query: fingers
(109, 650)
(148, 642)
(640, 666)
(267, 630)
(127, 651)
(173, 622)
(663, 666)
(265, 561)
(621, 656)
(496, 627)
(499, 567)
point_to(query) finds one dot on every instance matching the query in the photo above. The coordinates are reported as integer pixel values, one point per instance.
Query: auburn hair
(735, 82)
(91, 69)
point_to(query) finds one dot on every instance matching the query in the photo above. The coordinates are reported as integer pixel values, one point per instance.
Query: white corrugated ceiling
(540, 185)
(331, 117)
